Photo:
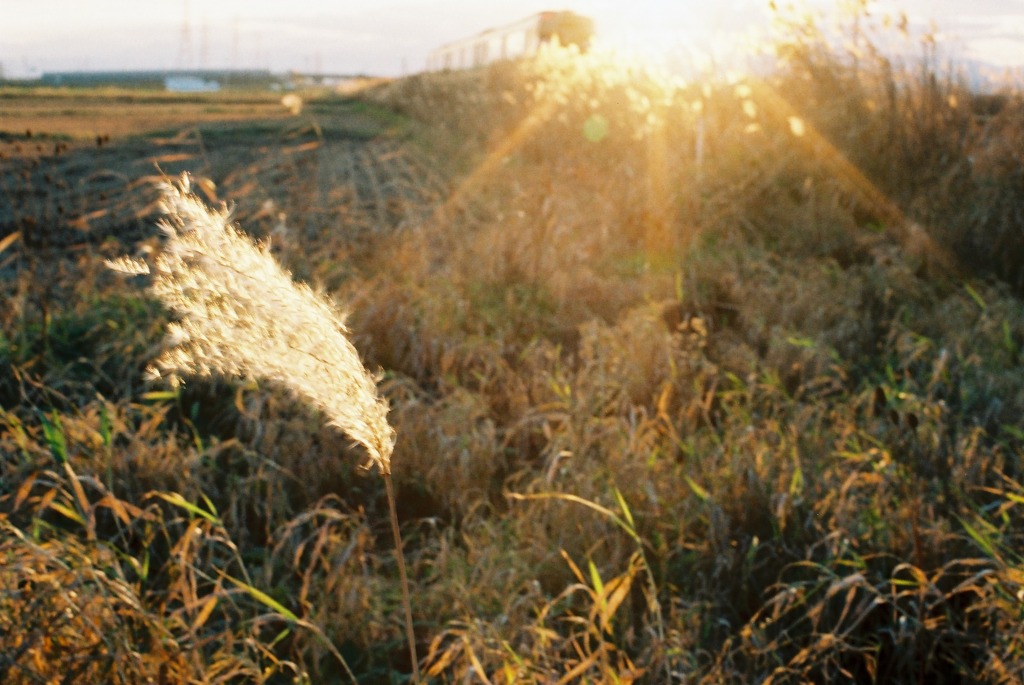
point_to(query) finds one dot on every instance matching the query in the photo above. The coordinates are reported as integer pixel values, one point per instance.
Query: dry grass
(80, 116)
(743, 415)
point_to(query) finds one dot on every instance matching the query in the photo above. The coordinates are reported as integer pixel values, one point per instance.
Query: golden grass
(81, 116)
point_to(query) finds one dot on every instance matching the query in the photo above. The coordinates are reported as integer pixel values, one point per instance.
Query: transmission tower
(204, 47)
(234, 43)
(185, 41)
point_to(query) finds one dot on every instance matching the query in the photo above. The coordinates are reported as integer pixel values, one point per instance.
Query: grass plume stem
(241, 315)
(410, 634)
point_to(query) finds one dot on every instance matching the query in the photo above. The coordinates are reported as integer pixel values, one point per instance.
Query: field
(710, 382)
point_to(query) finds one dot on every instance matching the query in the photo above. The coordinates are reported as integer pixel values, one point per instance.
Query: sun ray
(562, 76)
(895, 222)
(488, 166)
(661, 214)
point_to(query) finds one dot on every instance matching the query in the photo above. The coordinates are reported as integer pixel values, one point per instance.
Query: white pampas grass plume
(241, 315)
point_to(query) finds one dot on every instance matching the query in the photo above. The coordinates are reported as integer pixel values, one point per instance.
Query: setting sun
(676, 33)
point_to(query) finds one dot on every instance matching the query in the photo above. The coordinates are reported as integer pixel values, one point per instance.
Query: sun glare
(646, 77)
(684, 38)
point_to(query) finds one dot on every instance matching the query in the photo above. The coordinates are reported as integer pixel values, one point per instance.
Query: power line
(185, 40)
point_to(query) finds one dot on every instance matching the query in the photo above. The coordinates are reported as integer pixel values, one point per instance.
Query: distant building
(190, 84)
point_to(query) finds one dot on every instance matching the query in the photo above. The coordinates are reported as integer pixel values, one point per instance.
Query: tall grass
(241, 316)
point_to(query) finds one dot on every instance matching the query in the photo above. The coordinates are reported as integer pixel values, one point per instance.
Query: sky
(394, 37)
